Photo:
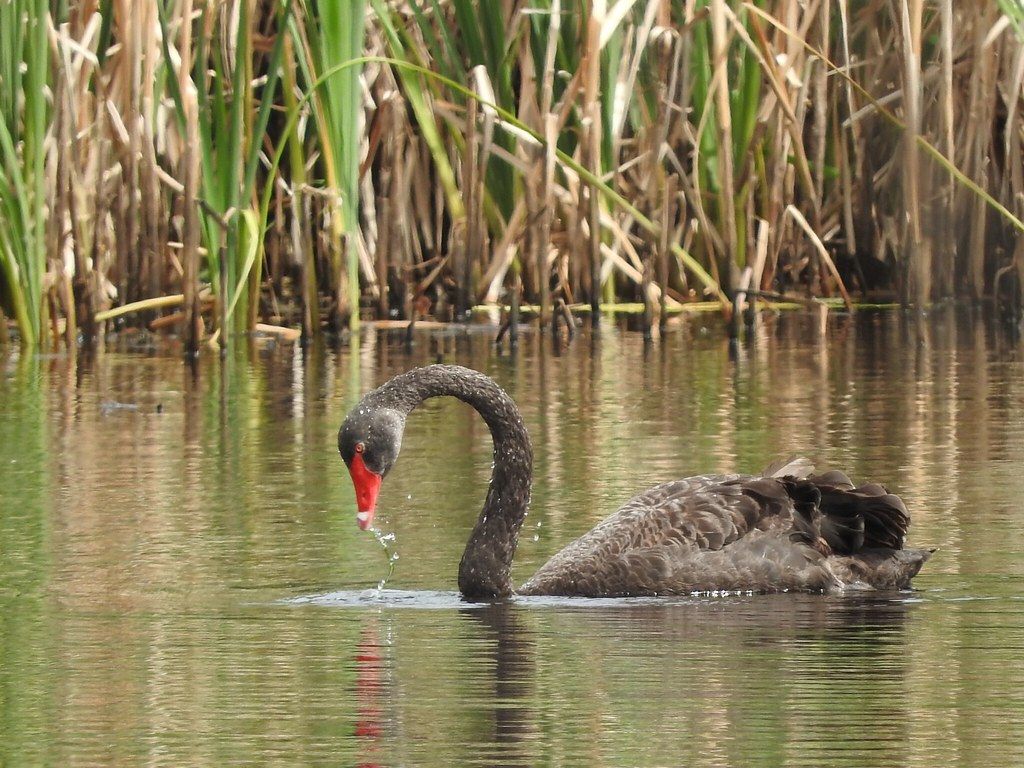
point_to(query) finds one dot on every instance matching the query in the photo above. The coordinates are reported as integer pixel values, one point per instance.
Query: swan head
(369, 441)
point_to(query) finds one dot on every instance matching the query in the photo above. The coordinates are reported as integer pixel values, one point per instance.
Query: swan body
(784, 530)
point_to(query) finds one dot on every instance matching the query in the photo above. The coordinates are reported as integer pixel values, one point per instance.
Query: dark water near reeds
(182, 581)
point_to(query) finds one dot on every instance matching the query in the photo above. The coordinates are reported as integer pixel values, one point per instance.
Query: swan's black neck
(485, 570)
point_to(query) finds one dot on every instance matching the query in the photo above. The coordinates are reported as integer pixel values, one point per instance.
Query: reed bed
(204, 166)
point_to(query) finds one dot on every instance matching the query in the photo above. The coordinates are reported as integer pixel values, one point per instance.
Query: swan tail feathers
(848, 518)
(880, 568)
(864, 517)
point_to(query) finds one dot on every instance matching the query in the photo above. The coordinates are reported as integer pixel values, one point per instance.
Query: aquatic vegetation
(308, 163)
(24, 122)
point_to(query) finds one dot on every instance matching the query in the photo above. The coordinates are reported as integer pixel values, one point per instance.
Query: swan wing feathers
(714, 532)
(795, 466)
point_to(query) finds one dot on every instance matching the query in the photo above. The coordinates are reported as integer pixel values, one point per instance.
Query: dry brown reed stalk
(386, 209)
(547, 214)
(550, 134)
(62, 211)
(190, 182)
(668, 213)
(976, 142)
(75, 189)
(945, 275)
(918, 286)
(723, 115)
(822, 252)
(819, 130)
(298, 238)
(874, 182)
(464, 246)
(478, 149)
(592, 139)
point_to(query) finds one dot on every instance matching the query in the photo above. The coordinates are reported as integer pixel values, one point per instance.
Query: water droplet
(392, 555)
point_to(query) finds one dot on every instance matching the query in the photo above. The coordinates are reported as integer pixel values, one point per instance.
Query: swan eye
(360, 447)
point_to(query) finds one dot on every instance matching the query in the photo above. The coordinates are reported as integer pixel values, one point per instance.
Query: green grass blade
(248, 248)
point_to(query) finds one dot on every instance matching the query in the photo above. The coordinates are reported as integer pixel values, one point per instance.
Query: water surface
(182, 581)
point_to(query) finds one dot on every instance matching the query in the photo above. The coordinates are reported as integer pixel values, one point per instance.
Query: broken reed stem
(760, 257)
(739, 301)
(159, 302)
(822, 253)
(513, 315)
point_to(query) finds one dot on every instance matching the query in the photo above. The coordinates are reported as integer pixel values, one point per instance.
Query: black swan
(783, 530)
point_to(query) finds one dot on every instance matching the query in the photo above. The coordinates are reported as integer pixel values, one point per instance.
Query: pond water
(182, 581)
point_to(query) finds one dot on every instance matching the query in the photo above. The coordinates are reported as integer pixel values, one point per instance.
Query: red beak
(367, 484)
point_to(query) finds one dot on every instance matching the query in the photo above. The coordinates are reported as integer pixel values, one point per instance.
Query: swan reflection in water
(758, 666)
(503, 652)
